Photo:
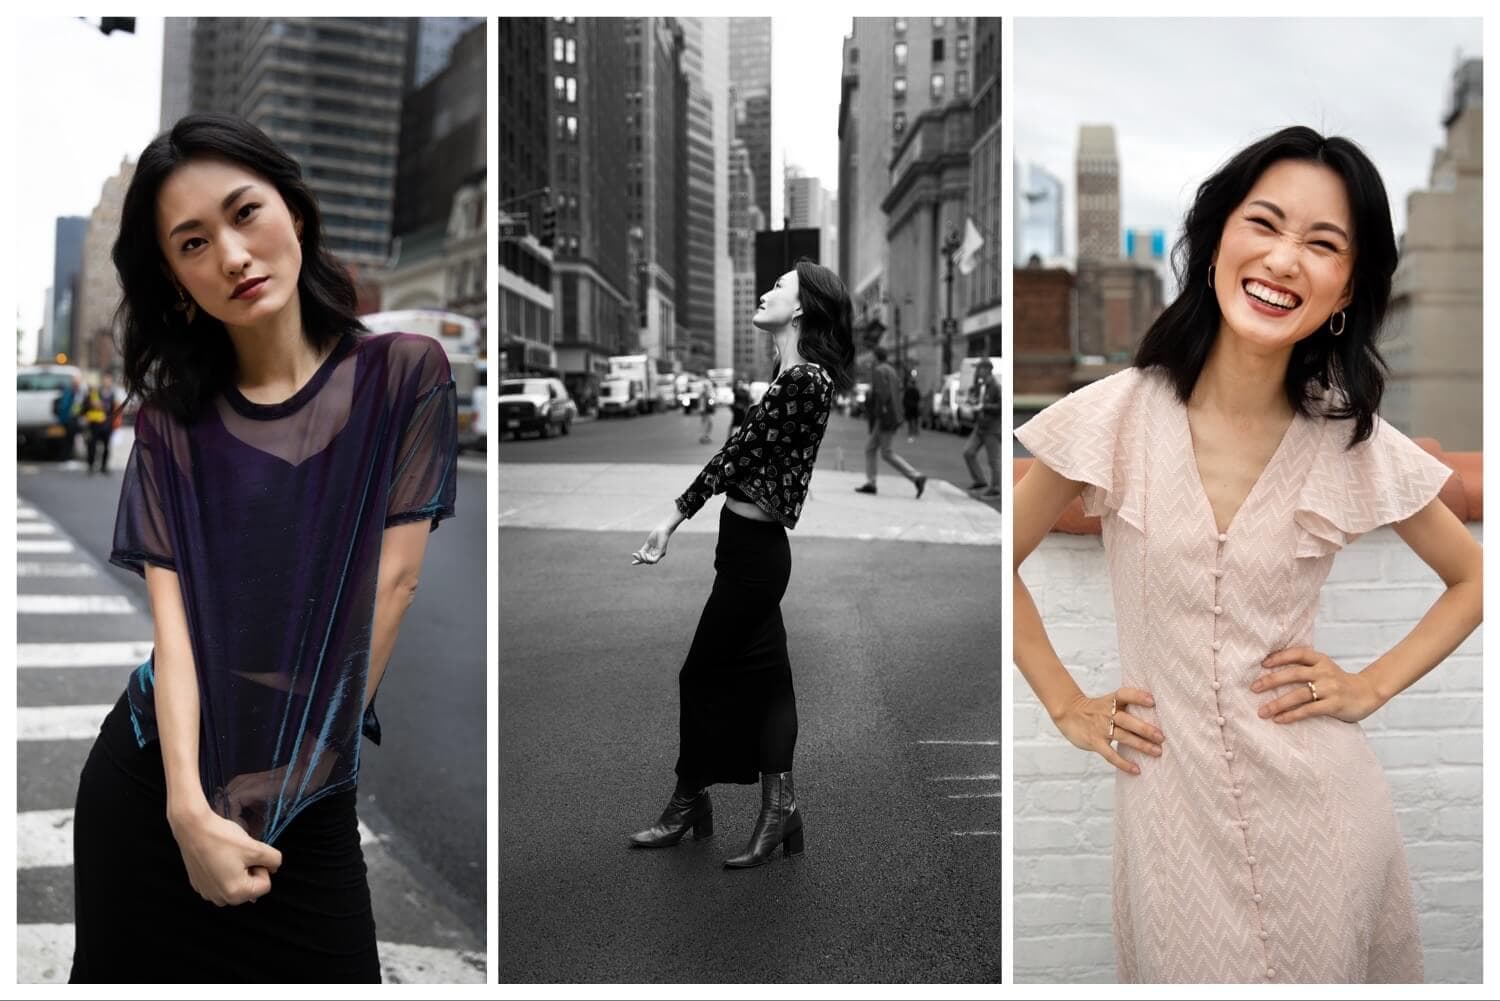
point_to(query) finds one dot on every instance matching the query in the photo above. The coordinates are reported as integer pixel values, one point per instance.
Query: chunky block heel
(779, 823)
(793, 843)
(704, 829)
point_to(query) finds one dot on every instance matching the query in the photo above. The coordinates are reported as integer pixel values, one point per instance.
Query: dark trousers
(99, 435)
(139, 920)
(739, 712)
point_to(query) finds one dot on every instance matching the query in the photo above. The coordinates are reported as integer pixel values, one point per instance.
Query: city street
(83, 625)
(893, 622)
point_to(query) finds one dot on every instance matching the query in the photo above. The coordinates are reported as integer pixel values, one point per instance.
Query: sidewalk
(614, 497)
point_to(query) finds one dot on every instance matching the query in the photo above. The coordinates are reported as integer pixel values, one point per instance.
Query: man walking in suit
(884, 413)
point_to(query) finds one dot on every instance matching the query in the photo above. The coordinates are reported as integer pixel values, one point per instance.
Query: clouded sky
(1185, 95)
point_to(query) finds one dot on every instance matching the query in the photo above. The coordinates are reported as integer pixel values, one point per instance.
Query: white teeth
(1270, 296)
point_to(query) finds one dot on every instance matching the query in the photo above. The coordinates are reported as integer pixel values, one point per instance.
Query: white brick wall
(1428, 739)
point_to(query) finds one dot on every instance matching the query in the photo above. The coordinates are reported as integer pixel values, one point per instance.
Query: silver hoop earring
(1343, 322)
(1210, 276)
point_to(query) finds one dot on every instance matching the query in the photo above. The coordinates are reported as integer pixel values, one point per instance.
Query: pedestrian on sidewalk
(285, 474)
(101, 411)
(739, 712)
(911, 402)
(884, 416)
(707, 434)
(984, 395)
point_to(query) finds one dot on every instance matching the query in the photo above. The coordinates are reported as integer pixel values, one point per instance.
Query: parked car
(40, 424)
(622, 398)
(479, 431)
(534, 404)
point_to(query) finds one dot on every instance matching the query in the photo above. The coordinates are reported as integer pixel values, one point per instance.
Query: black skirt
(738, 708)
(138, 919)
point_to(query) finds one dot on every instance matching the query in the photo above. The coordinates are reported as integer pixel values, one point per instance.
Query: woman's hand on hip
(1322, 688)
(1096, 724)
(225, 865)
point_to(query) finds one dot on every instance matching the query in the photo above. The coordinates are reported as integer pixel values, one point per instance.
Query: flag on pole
(964, 258)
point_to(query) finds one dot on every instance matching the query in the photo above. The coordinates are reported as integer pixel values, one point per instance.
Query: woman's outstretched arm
(224, 864)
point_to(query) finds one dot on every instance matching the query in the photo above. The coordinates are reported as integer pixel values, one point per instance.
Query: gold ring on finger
(1314, 689)
(1111, 734)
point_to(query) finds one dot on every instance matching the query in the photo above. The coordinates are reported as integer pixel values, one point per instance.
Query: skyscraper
(1038, 215)
(895, 68)
(526, 286)
(751, 358)
(703, 252)
(327, 89)
(67, 262)
(750, 94)
(429, 44)
(1098, 165)
(981, 326)
(98, 283)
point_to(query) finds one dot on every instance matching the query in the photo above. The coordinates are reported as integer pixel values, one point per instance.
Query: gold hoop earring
(186, 307)
(1210, 276)
(1343, 322)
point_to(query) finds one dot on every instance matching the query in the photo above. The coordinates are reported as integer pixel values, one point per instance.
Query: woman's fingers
(1134, 697)
(1126, 723)
(1115, 758)
(1127, 739)
(1298, 675)
(1319, 707)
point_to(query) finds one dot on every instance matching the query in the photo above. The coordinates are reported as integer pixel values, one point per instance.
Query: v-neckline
(1250, 495)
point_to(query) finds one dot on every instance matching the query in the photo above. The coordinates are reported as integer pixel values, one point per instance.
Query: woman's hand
(655, 548)
(1087, 723)
(225, 865)
(1333, 692)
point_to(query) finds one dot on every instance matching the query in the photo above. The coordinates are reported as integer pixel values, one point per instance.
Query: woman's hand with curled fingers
(655, 548)
(1322, 688)
(225, 865)
(1096, 724)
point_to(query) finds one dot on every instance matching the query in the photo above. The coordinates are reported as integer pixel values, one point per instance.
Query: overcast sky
(86, 101)
(1185, 95)
(807, 67)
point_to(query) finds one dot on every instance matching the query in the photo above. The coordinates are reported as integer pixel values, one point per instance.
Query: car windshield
(527, 387)
(40, 381)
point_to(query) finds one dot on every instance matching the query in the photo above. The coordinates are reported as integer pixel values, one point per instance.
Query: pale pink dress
(1250, 851)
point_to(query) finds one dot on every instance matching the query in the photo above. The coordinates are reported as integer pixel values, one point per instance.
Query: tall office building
(429, 45)
(69, 234)
(1038, 215)
(703, 303)
(750, 96)
(328, 90)
(1098, 166)
(655, 187)
(980, 327)
(751, 354)
(894, 69)
(806, 204)
(1434, 331)
(526, 286)
(98, 283)
(590, 100)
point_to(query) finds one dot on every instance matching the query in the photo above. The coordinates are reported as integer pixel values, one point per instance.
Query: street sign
(513, 230)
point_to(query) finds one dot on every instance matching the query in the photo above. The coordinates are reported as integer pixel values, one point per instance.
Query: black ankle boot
(688, 809)
(779, 824)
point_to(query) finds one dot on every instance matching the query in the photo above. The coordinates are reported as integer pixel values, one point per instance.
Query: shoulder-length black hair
(827, 322)
(1349, 364)
(179, 365)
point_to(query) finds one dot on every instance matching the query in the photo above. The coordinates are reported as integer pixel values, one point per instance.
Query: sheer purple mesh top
(272, 517)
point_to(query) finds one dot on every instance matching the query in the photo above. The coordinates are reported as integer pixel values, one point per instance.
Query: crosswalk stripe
(44, 955)
(27, 512)
(73, 604)
(59, 722)
(43, 546)
(82, 654)
(44, 838)
(35, 528)
(39, 568)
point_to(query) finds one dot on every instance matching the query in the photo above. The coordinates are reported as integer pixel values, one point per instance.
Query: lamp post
(950, 246)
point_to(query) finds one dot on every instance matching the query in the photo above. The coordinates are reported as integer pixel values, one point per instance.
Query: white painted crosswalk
(59, 587)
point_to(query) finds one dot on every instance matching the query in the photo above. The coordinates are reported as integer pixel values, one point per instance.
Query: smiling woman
(1254, 837)
(284, 478)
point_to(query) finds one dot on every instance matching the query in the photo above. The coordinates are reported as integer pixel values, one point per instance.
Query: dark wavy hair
(827, 322)
(1349, 364)
(177, 365)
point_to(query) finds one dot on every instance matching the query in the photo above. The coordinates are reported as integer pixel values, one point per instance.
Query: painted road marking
(963, 743)
(976, 834)
(35, 528)
(73, 604)
(966, 778)
(973, 795)
(59, 722)
(41, 655)
(33, 568)
(43, 546)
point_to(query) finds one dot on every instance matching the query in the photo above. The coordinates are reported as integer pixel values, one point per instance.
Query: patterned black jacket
(769, 460)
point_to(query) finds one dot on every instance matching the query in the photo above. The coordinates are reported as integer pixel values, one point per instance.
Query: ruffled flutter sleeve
(1092, 436)
(1386, 478)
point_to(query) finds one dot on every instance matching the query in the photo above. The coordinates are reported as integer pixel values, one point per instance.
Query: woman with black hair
(739, 713)
(1255, 838)
(285, 474)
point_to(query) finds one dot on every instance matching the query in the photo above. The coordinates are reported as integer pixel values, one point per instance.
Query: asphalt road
(423, 789)
(674, 438)
(893, 645)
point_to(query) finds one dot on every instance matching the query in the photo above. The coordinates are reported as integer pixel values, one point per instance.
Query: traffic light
(549, 224)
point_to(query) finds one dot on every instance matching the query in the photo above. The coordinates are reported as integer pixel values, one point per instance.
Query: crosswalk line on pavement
(22, 511)
(108, 654)
(35, 528)
(73, 604)
(43, 546)
(58, 568)
(45, 956)
(60, 722)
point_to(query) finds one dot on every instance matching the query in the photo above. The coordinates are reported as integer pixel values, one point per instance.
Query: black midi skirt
(736, 684)
(138, 919)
